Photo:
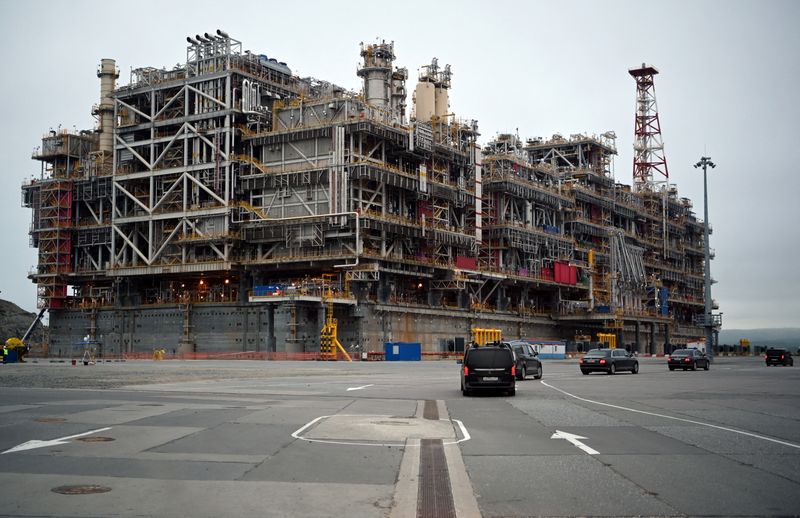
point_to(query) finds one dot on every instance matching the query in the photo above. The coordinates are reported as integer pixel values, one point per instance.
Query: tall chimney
(108, 75)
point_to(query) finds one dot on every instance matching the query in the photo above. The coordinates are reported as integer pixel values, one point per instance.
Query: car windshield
(599, 353)
(682, 352)
(489, 358)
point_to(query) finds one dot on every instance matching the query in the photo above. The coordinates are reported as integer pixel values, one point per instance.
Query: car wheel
(694, 366)
(585, 373)
(671, 368)
(612, 370)
(522, 373)
(708, 365)
(512, 392)
(635, 368)
(538, 374)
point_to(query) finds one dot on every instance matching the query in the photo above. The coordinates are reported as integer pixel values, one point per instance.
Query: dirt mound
(14, 321)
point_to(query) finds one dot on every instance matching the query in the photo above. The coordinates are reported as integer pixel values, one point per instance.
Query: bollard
(74, 363)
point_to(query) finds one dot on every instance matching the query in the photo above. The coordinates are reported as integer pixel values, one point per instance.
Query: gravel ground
(108, 375)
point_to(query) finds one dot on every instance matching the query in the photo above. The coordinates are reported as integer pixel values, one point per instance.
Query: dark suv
(489, 367)
(778, 357)
(527, 359)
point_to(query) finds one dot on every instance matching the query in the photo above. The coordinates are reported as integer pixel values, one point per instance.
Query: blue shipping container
(402, 351)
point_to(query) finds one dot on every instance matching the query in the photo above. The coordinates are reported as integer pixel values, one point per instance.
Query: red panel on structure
(468, 263)
(573, 275)
(424, 207)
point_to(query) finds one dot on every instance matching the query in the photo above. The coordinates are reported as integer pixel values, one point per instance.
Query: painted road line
(298, 434)
(360, 388)
(684, 420)
(31, 445)
(575, 440)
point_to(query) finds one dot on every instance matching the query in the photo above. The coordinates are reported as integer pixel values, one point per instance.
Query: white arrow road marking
(30, 445)
(575, 440)
(692, 421)
(359, 388)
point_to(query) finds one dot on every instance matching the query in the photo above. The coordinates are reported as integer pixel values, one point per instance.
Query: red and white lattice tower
(648, 149)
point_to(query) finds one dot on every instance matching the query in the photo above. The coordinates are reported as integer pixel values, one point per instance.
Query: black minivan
(489, 367)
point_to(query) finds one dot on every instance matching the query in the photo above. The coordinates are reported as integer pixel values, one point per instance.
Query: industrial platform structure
(228, 205)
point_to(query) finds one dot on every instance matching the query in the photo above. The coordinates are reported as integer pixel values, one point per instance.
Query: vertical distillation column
(475, 157)
(377, 73)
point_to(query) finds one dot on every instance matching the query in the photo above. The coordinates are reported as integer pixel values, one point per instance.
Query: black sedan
(609, 361)
(688, 359)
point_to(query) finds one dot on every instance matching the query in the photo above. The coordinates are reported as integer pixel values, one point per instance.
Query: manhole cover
(80, 490)
(50, 420)
(150, 404)
(95, 439)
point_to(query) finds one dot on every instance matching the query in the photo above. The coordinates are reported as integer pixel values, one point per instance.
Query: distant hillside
(780, 337)
(14, 321)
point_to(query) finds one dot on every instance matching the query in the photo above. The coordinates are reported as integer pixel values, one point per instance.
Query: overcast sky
(727, 88)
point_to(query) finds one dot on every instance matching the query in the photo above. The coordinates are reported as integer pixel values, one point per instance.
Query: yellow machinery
(745, 344)
(608, 339)
(482, 336)
(16, 345)
(328, 343)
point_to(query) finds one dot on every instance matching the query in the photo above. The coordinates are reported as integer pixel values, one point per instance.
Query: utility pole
(708, 320)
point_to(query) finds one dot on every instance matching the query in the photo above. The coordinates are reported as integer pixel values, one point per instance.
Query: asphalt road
(212, 439)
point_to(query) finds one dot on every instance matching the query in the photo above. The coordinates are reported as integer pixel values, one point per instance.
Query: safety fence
(275, 356)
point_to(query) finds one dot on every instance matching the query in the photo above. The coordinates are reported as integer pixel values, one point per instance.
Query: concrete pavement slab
(233, 438)
(198, 499)
(330, 463)
(710, 485)
(557, 486)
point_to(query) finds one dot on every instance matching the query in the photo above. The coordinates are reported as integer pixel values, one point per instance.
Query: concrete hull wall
(245, 327)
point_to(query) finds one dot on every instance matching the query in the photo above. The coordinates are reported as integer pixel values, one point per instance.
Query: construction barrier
(278, 356)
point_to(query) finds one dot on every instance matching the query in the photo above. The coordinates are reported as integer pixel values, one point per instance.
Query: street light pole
(708, 321)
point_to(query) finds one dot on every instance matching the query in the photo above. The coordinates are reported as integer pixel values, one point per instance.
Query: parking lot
(252, 438)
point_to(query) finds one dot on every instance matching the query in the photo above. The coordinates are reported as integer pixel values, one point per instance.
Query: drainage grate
(50, 420)
(80, 490)
(431, 411)
(435, 497)
(95, 439)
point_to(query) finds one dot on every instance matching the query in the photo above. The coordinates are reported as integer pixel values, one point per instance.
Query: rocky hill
(14, 321)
